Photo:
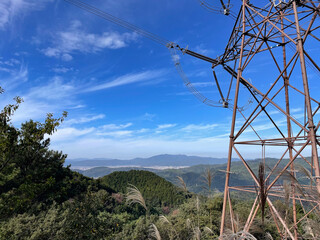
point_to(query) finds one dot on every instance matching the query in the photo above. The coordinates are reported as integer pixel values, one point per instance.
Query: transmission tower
(277, 39)
(283, 33)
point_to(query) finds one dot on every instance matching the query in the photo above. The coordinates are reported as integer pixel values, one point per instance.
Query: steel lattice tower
(280, 31)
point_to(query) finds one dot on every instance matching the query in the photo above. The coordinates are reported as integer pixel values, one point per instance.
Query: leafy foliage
(156, 190)
(31, 173)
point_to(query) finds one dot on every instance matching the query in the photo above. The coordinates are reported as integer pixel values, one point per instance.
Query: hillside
(97, 172)
(154, 189)
(193, 176)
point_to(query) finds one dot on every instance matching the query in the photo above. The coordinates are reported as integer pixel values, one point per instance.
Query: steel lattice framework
(280, 31)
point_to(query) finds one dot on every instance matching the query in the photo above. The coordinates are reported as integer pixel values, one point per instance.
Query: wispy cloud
(203, 84)
(10, 9)
(65, 134)
(194, 127)
(65, 43)
(33, 109)
(57, 88)
(11, 62)
(202, 49)
(148, 116)
(116, 134)
(14, 77)
(109, 130)
(129, 79)
(77, 106)
(57, 94)
(84, 119)
(54, 96)
(165, 126)
(61, 69)
(116, 126)
(292, 110)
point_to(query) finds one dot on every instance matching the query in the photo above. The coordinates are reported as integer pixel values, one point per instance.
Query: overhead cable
(118, 21)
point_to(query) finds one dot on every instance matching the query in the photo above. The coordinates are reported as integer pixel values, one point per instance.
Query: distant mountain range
(161, 161)
(194, 175)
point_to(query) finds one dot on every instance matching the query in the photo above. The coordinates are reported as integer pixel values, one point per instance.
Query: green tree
(8, 142)
(31, 173)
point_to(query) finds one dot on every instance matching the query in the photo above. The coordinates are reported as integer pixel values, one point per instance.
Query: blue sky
(123, 94)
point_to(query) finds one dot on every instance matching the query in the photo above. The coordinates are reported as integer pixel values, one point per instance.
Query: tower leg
(231, 141)
(312, 134)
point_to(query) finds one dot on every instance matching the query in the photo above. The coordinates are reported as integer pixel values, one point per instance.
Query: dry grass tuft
(135, 196)
(197, 233)
(242, 235)
(207, 230)
(154, 232)
(182, 184)
(207, 178)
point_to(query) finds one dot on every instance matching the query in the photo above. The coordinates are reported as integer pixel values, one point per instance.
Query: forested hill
(194, 176)
(155, 189)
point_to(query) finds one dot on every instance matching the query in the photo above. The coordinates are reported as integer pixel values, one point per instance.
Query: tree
(8, 142)
(29, 171)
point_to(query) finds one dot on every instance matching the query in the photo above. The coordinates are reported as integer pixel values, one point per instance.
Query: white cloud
(32, 109)
(61, 69)
(203, 84)
(115, 130)
(296, 110)
(66, 57)
(115, 126)
(201, 127)
(4, 13)
(5, 69)
(54, 90)
(11, 62)
(203, 50)
(54, 97)
(84, 119)
(51, 52)
(75, 39)
(128, 79)
(68, 133)
(116, 134)
(165, 126)
(16, 77)
(57, 95)
(143, 130)
(77, 106)
(10, 9)
(293, 110)
(148, 116)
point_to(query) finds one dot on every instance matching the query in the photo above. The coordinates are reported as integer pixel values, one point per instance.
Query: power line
(118, 21)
